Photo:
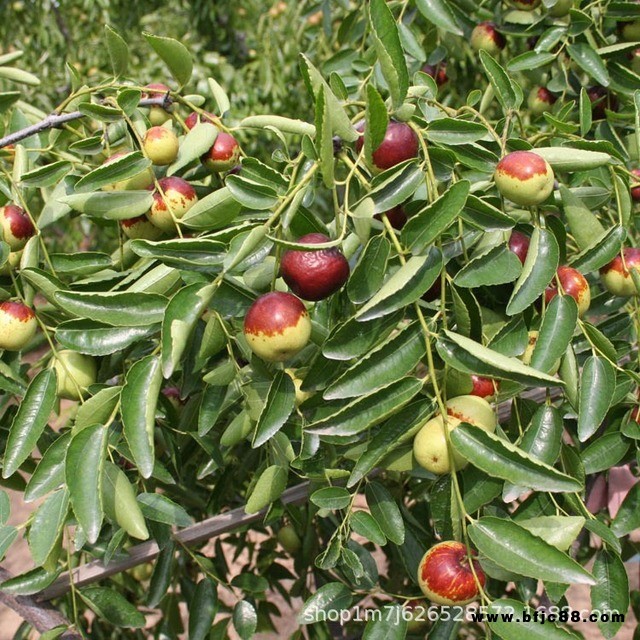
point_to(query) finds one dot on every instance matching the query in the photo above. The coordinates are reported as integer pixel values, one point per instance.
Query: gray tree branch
(58, 119)
(41, 617)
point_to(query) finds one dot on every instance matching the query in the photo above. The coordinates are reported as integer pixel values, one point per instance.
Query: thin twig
(41, 617)
(57, 119)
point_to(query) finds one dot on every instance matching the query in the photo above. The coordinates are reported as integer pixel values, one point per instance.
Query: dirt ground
(18, 560)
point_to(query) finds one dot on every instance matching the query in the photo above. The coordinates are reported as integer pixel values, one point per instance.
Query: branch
(58, 119)
(202, 531)
(141, 553)
(41, 617)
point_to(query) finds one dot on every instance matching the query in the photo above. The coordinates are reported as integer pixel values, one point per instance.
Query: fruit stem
(432, 183)
(486, 123)
(355, 170)
(289, 197)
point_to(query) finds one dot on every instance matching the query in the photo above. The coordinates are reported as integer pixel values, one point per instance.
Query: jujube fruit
(446, 577)
(277, 326)
(525, 178)
(314, 275)
(18, 325)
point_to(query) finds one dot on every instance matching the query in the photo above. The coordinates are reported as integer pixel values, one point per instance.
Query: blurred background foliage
(250, 46)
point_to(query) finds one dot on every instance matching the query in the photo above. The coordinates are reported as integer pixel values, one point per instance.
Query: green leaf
(85, 263)
(586, 115)
(47, 524)
(159, 508)
(599, 342)
(377, 120)
(100, 112)
(571, 159)
(404, 287)
(383, 365)
(386, 39)
(214, 211)
(118, 51)
(513, 548)
(198, 254)
(278, 406)
(8, 99)
(118, 309)
(368, 275)
(391, 625)
(194, 145)
(605, 452)
(466, 355)
(139, 399)
(364, 524)
(251, 194)
(333, 596)
(589, 61)
(558, 324)
(430, 222)
(502, 86)
(46, 176)
(393, 187)
(339, 118)
(49, 473)
(128, 100)
(324, 138)
(604, 533)
(498, 265)
(529, 60)
(542, 441)
(18, 75)
(583, 224)
(364, 412)
(180, 318)
(601, 252)
(113, 607)
(268, 488)
(220, 96)
(449, 131)
(611, 593)
(202, 609)
(597, 384)
(559, 531)
(539, 268)
(439, 13)
(162, 575)
(122, 168)
(501, 459)
(119, 501)
(333, 498)
(245, 619)
(514, 628)
(286, 125)
(628, 517)
(174, 54)
(110, 205)
(84, 465)
(30, 582)
(29, 421)
(385, 511)
(95, 339)
(352, 338)
(7, 536)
